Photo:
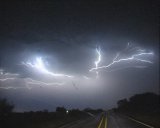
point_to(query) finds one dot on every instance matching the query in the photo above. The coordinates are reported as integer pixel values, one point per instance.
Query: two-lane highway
(90, 122)
(107, 120)
(103, 121)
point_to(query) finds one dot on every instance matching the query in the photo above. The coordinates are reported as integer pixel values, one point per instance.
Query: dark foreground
(110, 120)
(102, 120)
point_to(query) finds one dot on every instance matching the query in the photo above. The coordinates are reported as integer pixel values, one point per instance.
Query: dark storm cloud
(35, 20)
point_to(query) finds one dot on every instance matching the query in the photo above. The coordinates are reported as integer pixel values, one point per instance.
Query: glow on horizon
(39, 65)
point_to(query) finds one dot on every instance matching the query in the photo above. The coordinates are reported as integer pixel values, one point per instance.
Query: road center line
(100, 123)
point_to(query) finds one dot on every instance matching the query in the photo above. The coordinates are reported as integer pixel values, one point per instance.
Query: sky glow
(38, 65)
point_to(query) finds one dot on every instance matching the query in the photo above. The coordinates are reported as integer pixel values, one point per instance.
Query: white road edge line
(99, 126)
(141, 122)
(68, 124)
(90, 114)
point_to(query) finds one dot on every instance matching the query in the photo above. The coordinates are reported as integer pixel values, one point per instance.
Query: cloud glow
(39, 66)
(134, 54)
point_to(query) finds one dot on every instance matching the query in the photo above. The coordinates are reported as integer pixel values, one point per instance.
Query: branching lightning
(97, 61)
(5, 79)
(31, 81)
(39, 65)
(134, 57)
(121, 68)
(28, 82)
(11, 88)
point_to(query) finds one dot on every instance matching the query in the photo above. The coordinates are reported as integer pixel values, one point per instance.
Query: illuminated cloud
(40, 66)
(43, 77)
(7, 81)
(85, 77)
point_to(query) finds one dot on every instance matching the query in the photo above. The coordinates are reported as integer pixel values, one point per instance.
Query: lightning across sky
(29, 82)
(33, 82)
(140, 57)
(133, 57)
(5, 79)
(137, 56)
(40, 66)
(9, 87)
(98, 51)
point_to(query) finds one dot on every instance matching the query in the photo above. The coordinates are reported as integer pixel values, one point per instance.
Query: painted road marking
(100, 123)
(141, 122)
(103, 122)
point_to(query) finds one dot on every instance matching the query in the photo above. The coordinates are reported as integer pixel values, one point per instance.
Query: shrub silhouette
(146, 102)
(61, 110)
(5, 107)
(5, 110)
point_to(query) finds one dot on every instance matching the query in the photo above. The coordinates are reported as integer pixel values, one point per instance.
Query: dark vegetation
(5, 108)
(40, 119)
(93, 111)
(144, 107)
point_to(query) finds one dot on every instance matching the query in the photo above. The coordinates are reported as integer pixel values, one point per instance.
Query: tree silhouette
(146, 102)
(5, 107)
(61, 110)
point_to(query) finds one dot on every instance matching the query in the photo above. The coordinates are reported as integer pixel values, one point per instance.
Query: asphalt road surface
(90, 122)
(107, 120)
(120, 121)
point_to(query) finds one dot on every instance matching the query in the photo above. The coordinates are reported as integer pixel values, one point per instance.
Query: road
(121, 121)
(90, 122)
(107, 120)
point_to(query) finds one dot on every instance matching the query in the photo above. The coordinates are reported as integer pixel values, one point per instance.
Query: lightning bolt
(7, 73)
(133, 57)
(28, 82)
(31, 81)
(8, 79)
(5, 79)
(39, 65)
(97, 61)
(126, 68)
(10, 74)
(11, 87)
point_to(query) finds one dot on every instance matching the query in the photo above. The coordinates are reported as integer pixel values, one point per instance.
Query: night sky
(48, 49)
